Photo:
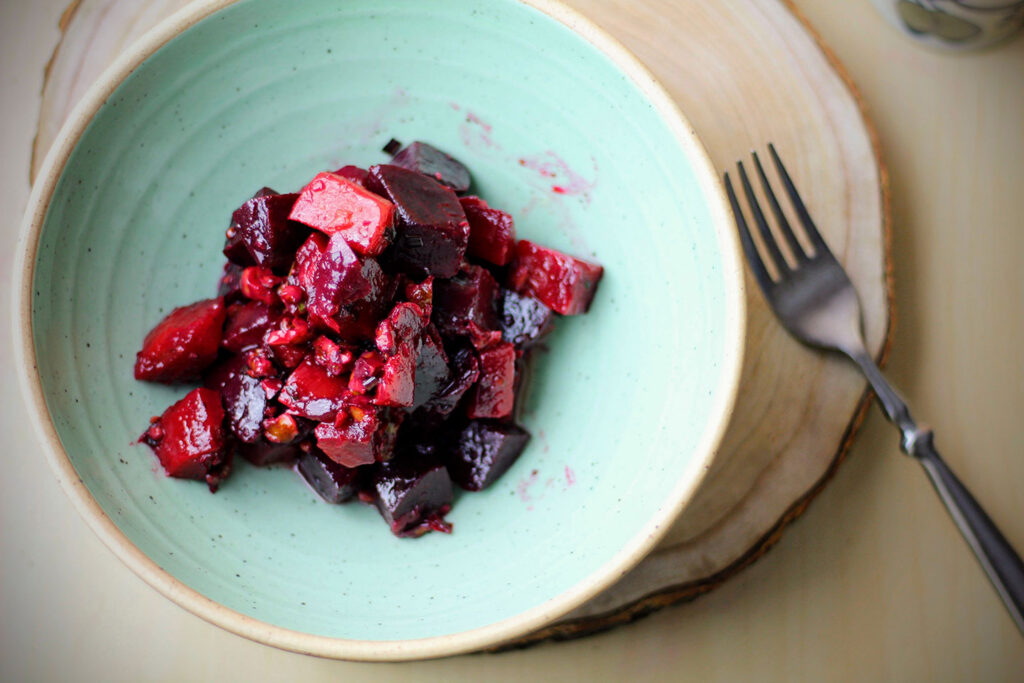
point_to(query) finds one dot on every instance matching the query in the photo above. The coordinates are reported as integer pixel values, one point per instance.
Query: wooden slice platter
(744, 72)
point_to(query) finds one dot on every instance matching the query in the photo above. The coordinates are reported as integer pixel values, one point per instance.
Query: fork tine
(794, 246)
(753, 258)
(805, 218)
(762, 224)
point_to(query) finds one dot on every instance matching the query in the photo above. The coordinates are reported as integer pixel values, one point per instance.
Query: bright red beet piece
(261, 234)
(247, 323)
(433, 163)
(398, 381)
(335, 279)
(336, 205)
(366, 373)
(361, 434)
(402, 327)
(260, 284)
(483, 451)
(432, 230)
(310, 392)
(421, 294)
(189, 439)
(492, 232)
(333, 358)
(564, 284)
(494, 394)
(183, 344)
(467, 305)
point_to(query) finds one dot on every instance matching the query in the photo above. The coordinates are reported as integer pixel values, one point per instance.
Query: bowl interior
(268, 93)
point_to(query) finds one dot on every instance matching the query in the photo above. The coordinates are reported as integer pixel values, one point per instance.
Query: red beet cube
(335, 205)
(412, 495)
(357, 321)
(467, 305)
(524, 320)
(494, 394)
(242, 396)
(397, 386)
(247, 323)
(483, 451)
(492, 232)
(334, 483)
(261, 234)
(335, 278)
(402, 327)
(366, 373)
(361, 434)
(189, 438)
(433, 163)
(310, 392)
(564, 284)
(183, 344)
(432, 230)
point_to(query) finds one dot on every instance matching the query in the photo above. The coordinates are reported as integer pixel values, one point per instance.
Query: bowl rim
(642, 542)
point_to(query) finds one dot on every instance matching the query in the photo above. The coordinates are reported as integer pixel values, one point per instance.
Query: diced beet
(494, 394)
(465, 371)
(290, 330)
(358, 321)
(467, 305)
(403, 326)
(335, 205)
(411, 493)
(189, 439)
(398, 381)
(421, 294)
(287, 356)
(183, 344)
(247, 323)
(354, 173)
(334, 279)
(564, 284)
(332, 357)
(366, 373)
(433, 163)
(261, 234)
(492, 232)
(264, 453)
(229, 287)
(361, 434)
(483, 451)
(432, 373)
(524, 320)
(334, 483)
(260, 284)
(242, 396)
(432, 230)
(310, 392)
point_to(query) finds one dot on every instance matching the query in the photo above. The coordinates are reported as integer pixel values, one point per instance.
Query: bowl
(560, 126)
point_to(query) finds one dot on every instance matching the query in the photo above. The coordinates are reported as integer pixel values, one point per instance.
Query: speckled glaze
(561, 127)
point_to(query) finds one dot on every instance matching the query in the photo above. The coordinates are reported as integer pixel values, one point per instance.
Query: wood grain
(744, 72)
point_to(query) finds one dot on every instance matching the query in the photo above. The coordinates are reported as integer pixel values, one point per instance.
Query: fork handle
(998, 558)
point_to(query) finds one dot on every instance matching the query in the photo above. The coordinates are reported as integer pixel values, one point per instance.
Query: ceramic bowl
(560, 126)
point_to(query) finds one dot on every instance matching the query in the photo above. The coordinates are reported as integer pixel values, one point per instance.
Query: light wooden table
(873, 583)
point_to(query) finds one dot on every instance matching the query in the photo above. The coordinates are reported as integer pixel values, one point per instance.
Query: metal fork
(813, 298)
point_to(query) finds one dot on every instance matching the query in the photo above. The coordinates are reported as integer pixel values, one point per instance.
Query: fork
(813, 298)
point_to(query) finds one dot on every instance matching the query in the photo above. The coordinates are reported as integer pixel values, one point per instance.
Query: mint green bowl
(560, 126)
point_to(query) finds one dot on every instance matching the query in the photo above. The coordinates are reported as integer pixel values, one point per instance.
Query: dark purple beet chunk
(432, 373)
(524, 320)
(467, 305)
(247, 323)
(265, 453)
(335, 279)
(261, 233)
(230, 284)
(433, 163)
(334, 483)
(410, 491)
(432, 230)
(484, 451)
(243, 398)
(465, 371)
